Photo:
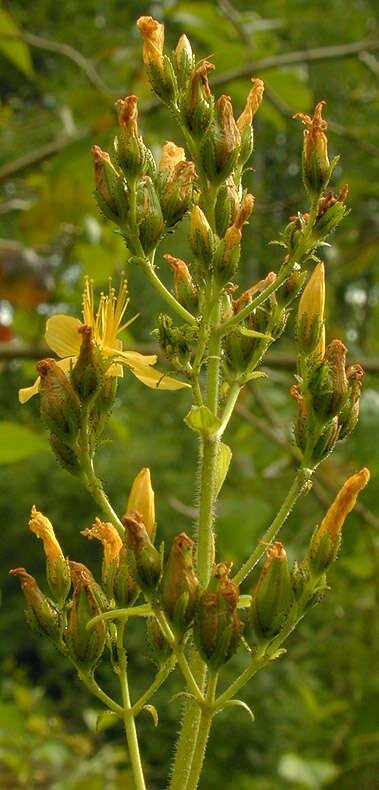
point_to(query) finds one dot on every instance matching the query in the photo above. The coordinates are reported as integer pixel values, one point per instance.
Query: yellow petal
(135, 358)
(156, 380)
(28, 392)
(115, 370)
(62, 335)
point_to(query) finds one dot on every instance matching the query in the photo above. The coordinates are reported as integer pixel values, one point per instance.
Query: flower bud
(273, 595)
(86, 375)
(85, 644)
(331, 211)
(231, 251)
(316, 166)
(252, 104)
(310, 316)
(179, 585)
(227, 206)
(348, 416)
(146, 560)
(60, 406)
(106, 178)
(198, 105)
(80, 572)
(217, 628)
(132, 154)
(103, 404)
(64, 455)
(326, 538)
(40, 614)
(185, 60)
(176, 342)
(158, 66)
(330, 390)
(220, 148)
(291, 287)
(176, 195)
(185, 289)
(149, 214)
(57, 567)
(202, 237)
(142, 500)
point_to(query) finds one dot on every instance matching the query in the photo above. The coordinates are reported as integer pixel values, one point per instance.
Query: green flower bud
(197, 103)
(348, 416)
(316, 167)
(86, 375)
(60, 406)
(85, 645)
(80, 572)
(64, 455)
(202, 237)
(185, 60)
(185, 289)
(106, 181)
(149, 214)
(227, 206)
(145, 558)
(179, 585)
(41, 615)
(130, 150)
(273, 596)
(219, 149)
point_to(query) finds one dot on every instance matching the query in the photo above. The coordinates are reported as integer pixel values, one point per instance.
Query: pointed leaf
(223, 461)
(154, 713)
(239, 704)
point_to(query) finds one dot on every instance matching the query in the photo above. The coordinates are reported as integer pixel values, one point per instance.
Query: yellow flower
(63, 336)
(42, 528)
(108, 535)
(312, 306)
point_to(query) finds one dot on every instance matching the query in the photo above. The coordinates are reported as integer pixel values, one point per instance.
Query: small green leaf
(253, 333)
(201, 420)
(154, 713)
(223, 461)
(238, 703)
(18, 442)
(106, 719)
(15, 48)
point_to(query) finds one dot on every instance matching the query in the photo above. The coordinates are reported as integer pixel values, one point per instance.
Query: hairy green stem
(298, 486)
(155, 685)
(94, 688)
(165, 293)
(128, 716)
(205, 723)
(192, 726)
(91, 482)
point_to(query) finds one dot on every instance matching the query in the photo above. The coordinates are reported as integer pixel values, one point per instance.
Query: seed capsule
(179, 585)
(273, 595)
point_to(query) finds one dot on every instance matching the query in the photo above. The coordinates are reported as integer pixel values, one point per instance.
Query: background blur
(62, 65)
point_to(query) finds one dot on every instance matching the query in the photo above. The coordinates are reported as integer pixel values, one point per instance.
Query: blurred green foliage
(316, 709)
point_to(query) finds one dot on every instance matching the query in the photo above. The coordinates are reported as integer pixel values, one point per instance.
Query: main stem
(129, 722)
(193, 725)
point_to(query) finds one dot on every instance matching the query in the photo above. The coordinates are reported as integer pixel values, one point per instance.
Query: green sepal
(106, 719)
(201, 420)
